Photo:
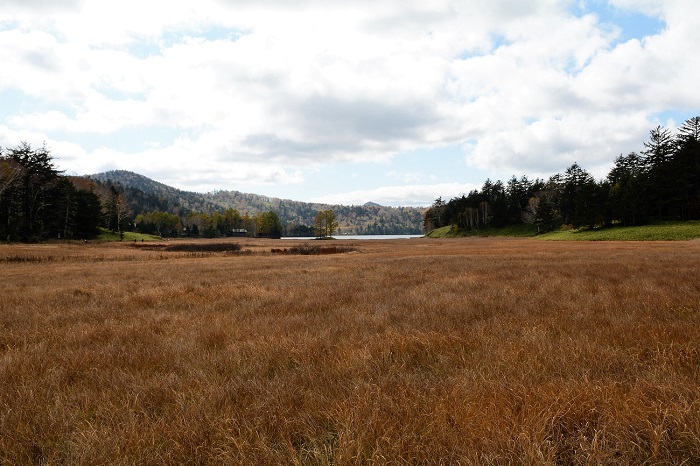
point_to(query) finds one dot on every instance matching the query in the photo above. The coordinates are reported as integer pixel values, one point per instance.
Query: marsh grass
(469, 351)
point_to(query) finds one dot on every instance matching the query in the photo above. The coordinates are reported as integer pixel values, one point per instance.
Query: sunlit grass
(428, 351)
(671, 231)
(523, 231)
(109, 235)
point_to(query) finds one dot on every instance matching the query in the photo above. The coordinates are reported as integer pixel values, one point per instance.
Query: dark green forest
(37, 202)
(660, 183)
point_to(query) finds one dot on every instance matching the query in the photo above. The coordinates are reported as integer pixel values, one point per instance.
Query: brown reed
(469, 351)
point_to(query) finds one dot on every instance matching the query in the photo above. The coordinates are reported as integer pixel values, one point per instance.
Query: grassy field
(109, 235)
(515, 231)
(669, 231)
(423, 351)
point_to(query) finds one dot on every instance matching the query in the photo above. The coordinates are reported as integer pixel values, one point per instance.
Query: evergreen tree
(269, 225)
(87, 214)
(659, 147)
(545, 216)
(686, 170)
(626, 192)
(659, 182)
(37, 202)
(434, 216)
(32, 196)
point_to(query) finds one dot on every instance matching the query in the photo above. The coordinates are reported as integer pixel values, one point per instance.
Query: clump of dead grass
(314, 250)
(203, 247)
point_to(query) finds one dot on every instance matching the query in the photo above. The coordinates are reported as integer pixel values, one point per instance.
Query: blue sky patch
(14, 102)
(633, 24)
(677, 116)
(130, 139)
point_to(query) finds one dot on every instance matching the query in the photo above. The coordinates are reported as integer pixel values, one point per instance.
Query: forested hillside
(37, 203)
(661, 183)
(221, 211)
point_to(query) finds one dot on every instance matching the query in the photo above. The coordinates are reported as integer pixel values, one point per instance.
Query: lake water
(356, 237)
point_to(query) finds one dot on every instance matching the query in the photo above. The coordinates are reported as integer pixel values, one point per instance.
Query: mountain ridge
(145, 194)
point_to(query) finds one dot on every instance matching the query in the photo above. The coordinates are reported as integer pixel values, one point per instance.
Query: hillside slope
(145, 194)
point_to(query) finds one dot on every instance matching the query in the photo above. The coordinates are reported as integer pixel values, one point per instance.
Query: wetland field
(470, 351)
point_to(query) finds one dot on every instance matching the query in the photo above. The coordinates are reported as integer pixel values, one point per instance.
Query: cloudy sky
(391, 101)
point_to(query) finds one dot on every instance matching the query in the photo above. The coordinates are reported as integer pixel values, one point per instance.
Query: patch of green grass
(444, 232)
(514, 230)
(668, 231)
(671, 231)
(109, 235)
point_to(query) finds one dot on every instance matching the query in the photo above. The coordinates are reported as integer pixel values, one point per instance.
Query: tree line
(297, 218)
(204, 225)
(660, 183)
(37, 202)
(231, 223)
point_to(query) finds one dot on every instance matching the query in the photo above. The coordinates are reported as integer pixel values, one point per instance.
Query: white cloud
(9, 137)
(405, 177)
(548, 146)
(647, 7)
(409, 195)
(262, 92)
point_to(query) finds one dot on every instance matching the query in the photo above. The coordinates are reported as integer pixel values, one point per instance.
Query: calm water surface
(362, 237)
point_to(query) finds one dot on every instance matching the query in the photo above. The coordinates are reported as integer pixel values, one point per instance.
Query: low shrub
(18, 258)
(307, 250)
(204, 247)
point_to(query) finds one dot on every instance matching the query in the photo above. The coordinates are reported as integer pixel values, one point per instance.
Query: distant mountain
(136, 181)
(147, 195)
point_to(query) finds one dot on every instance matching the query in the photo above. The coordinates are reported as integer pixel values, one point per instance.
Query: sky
(397, 102)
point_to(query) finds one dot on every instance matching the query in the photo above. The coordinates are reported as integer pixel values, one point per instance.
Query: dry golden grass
(469, 351)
